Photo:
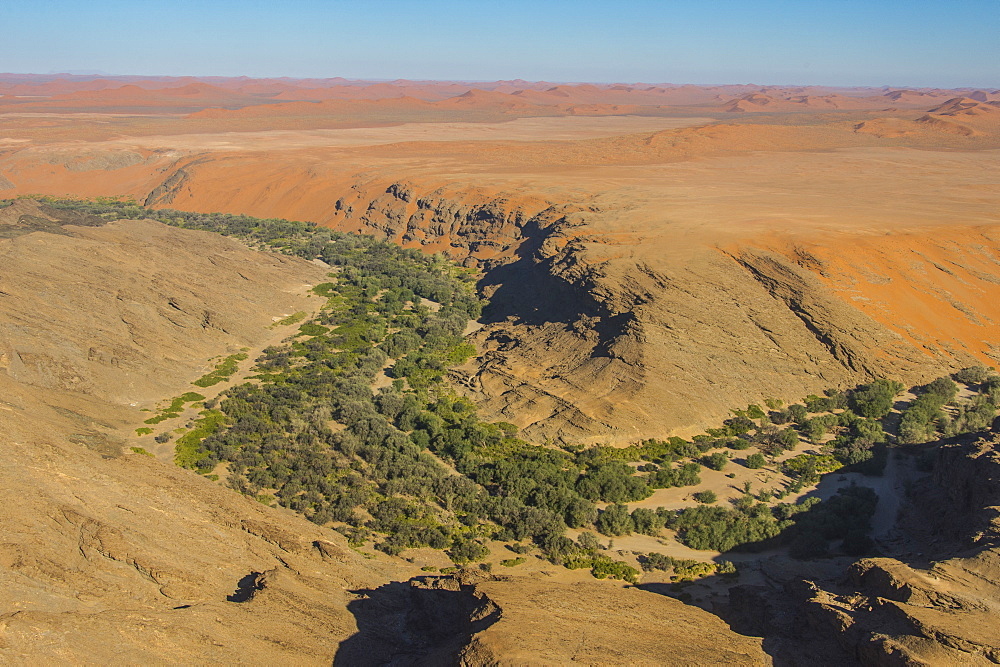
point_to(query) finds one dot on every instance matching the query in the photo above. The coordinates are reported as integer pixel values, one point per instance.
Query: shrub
(875, 400)
(798, 413)
(656, 561)
(614, 520)
(972, 375)
(706, 497)
(716, 461)
(645, 521)
(464, 550)
(603, 567)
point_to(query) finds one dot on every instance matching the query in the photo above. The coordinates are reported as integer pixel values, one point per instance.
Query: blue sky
(844, 42)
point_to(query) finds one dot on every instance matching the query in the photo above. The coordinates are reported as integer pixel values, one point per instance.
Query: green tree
(716, 461)
(614, 520)
(706, 497)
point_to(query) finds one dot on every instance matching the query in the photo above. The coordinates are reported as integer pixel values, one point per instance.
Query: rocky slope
(936, 603)
(141, 306)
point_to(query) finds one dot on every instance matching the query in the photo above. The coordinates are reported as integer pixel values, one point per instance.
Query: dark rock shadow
(245, 588)
(425, 621)
(527, 291)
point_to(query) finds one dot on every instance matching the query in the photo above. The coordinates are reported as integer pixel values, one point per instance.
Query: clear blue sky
(837, 42)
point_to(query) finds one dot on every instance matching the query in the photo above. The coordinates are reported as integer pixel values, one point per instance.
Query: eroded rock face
(936, 605)
(545, 623)
(593, 334)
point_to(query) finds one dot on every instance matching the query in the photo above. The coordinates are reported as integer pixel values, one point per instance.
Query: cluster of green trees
(926, 419)
(685, 569)
(807, 527)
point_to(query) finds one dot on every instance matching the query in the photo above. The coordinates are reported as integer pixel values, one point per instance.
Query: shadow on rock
(424, 621)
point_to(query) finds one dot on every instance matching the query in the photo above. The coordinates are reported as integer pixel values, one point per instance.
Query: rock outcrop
(935, 605)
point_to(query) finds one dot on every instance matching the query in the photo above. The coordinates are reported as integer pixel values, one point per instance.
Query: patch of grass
(161, 417)
(174, 409)
(143, 431)
(312, 329)
(294, 318)
(140, 450)
(511, 562)
(187, 452)
(326, 290)
(223, 370)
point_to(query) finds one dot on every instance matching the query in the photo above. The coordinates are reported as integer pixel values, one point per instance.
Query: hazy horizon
(775, 42)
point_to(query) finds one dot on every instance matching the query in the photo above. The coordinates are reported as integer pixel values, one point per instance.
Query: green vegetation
(223, 370)
(294, 318)
(312, 329)
(143, 431)
(808, 526)
(175, 408)
(706, 497)
(809, 467)
(683, 569)
(163, 416)
(140, 450)
(716, 461)
(188, 453)
(936, 411)
(875, 400)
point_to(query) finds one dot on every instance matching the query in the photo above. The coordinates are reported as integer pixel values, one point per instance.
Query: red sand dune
(965, 106)
(324, 108)
(483, 99)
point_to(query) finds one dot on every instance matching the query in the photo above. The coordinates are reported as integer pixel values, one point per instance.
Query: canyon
(654, 257)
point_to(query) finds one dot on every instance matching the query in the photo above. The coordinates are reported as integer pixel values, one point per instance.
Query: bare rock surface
(551, 624)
